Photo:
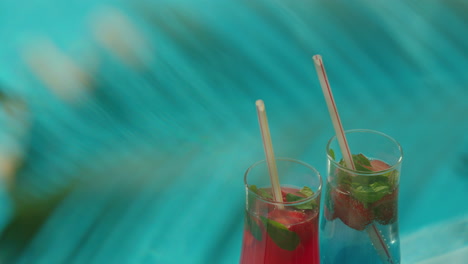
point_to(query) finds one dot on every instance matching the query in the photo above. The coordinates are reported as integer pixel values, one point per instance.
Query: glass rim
(341, 167)
(307, 199)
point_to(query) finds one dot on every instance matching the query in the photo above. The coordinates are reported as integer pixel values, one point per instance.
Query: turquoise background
(143, 161)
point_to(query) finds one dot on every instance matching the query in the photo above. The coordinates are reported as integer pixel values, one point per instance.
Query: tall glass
(281, 232)
(359, 223)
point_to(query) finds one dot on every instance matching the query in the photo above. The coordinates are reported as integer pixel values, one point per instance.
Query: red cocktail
(285, 232)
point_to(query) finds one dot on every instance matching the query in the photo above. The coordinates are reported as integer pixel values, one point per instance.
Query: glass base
(341, 244)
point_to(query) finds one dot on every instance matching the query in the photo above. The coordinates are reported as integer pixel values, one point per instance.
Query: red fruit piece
(287, 217)
(378, 165)
(307, 229)
(304, 225)
(351, 211)
(385, 209)
(286, 190)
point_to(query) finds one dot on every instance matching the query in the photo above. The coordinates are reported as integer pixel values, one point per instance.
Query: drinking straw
(372, 230)
(268, 147)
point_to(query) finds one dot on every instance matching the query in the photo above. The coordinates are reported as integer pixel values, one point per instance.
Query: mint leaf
(331, 152)
(361, 163)
(361, 159)
(305, 206)
(392, 178)
(292, 198)
(253, 227)
(307, 192)
(261, 192)
(265, 194)
(368, 194)
(282, 236)
(367, 189)
(253, 188)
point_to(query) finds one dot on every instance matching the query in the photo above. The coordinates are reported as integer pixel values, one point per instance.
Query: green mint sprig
(366, 189)
(261, 192)
(368, 194)
(361, 163)
(331, 152)
(281, 235)
(305, 193)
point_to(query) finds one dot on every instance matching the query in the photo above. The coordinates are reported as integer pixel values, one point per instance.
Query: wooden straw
(270, 156)
(372, 230)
